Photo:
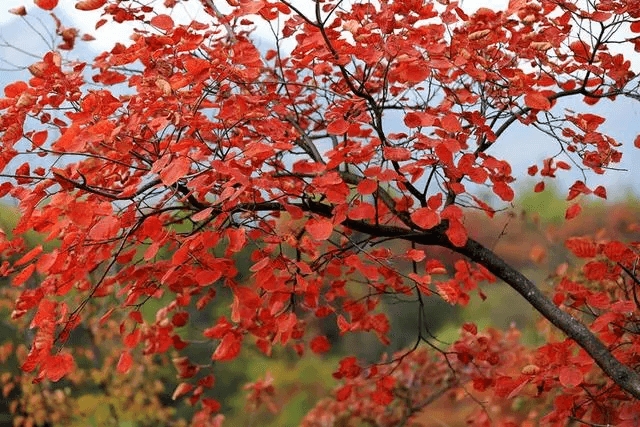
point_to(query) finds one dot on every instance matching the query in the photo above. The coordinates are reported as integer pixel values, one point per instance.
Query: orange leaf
(537, 254)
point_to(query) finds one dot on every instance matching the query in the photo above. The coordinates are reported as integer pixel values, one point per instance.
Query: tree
(362, 124)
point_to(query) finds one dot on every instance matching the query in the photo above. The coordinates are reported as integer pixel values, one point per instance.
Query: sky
(520, 146)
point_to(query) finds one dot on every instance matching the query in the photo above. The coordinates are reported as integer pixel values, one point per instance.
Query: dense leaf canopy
(167, 162)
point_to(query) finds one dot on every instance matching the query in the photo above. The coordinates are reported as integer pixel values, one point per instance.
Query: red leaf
(537, 101)
(398, 154)
(175, 170)
(13, 90)
(367, 186)
(415, 255)
(180, 318)
(124, 364)
(470, 327)
(415, 119)
(207, 277)
(412, 120)
(338, 127)
(450, 123)
(456, 233)
(636, 142)
(600, 191)
(136, 316)
(425, 218)
(237, 239)
(228, 348)
(104, 229)
(539, 187)
(344, 392)
(29, 256)
(573, 211)
(635, 26)
(362, 211)
(90, 4)
(382, 396)
(503, 190)
(570, 377)
(319, 229)
(537, 254)
(39, 138)
(581, 247)
(615, 251)
(58, 366)
(213, 406)
(581, 51)
(22, 277)
(181, 390)
(435, 201)
(202, 215)
(320, 344)
(46, 4)
(162, 22)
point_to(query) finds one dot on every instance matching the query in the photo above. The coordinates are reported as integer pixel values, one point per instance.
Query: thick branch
(626, 378)
(622, 375)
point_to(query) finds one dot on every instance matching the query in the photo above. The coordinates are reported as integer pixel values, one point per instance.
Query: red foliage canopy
(192, 142)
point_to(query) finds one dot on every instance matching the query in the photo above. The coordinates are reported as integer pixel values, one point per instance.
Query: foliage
(193, 155)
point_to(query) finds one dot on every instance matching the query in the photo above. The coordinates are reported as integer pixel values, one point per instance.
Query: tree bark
(621, 374)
